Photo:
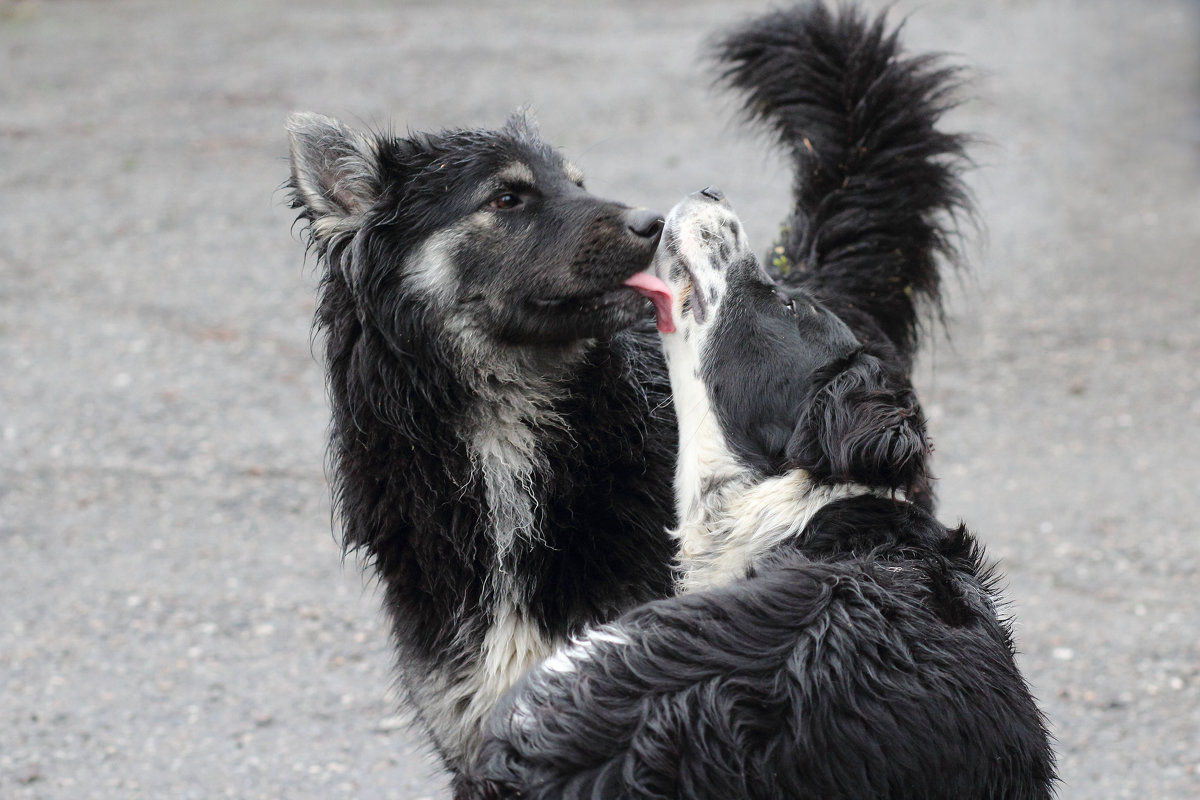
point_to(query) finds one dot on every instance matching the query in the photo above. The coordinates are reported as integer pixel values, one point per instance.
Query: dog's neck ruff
(513, 407)
(506, 455)
(738, 521)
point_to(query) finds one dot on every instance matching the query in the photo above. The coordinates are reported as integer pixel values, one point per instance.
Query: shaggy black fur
(862, 659)
(502, 443)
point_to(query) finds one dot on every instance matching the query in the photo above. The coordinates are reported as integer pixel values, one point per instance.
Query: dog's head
(488, 231)
(789, 384)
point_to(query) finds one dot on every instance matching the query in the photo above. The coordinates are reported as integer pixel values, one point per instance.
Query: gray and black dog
(502, 441)
(831, 638)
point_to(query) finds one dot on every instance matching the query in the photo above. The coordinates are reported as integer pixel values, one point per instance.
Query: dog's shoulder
(907, 551)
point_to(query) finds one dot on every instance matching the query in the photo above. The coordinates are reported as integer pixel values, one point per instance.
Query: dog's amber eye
(506, 200)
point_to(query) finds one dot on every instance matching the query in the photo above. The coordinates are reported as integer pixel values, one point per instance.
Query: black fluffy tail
(878, 191)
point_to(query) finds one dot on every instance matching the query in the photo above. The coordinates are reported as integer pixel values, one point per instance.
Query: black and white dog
(831, 638)
(502, 442)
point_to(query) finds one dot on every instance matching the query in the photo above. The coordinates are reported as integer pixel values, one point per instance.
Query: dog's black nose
(644, 222)
(713, 193)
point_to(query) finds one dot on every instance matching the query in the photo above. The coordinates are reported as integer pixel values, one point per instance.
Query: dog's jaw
(705, 462)
(707, 472)
(701, 238)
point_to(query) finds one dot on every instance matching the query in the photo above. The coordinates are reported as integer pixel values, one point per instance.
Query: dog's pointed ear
(863, 428)
(522, 122)
(335, 173)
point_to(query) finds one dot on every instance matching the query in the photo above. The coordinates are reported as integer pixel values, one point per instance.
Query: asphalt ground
(175, 616)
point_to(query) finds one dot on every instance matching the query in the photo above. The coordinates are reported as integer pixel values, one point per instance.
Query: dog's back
(841, 668)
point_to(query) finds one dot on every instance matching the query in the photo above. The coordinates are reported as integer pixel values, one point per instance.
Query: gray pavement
(175, 618)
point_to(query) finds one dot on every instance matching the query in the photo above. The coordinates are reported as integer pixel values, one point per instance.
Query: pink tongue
(646, 284)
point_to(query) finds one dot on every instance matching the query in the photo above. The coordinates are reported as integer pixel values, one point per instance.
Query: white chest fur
(507, 458)
(746, 519)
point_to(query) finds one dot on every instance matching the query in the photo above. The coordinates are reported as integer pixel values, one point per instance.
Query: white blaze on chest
(749, 521)
(455, 707)
(507, 457)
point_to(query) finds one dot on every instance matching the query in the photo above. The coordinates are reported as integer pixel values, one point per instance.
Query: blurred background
(176, 619)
